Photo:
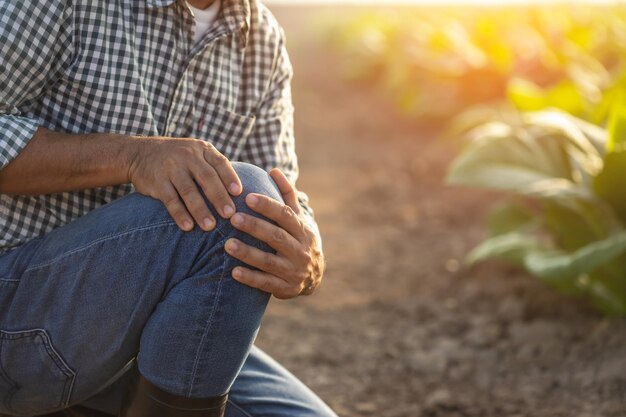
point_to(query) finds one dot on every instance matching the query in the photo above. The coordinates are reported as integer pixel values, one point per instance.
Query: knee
(254, 180)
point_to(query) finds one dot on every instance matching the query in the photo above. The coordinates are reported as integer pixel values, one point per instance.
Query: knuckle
(268, 261)
(170, 163)
(220, 158)
(279, 235)
(215, 155)
(251, 223)
(266, 284)
(170, 200)
(188, 190)
(221, 195)
(286, 212)
(306, 257)
(208, 173)
(184, 151)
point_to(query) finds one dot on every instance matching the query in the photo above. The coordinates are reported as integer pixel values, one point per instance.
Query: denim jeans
(79, 305)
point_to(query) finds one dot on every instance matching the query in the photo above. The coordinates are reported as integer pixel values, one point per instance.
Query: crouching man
(136, 256)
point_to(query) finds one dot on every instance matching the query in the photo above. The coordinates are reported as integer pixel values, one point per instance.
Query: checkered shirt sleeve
(35, 46)
(272, 143)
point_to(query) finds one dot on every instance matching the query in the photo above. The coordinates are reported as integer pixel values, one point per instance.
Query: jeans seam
(97, 241)
(238, 407)
(218, 294)
(220, 231)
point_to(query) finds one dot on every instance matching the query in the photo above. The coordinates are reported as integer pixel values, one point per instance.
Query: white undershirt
(205, 18)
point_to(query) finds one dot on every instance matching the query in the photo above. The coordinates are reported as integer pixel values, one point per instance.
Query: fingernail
(237, 219)
(228, 211)
(208, 223)
(232, 245)
(234, 188)
(187, 225)
(237, 273)
(253, 200)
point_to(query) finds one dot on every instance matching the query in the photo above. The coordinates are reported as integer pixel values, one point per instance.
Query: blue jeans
(124, 283)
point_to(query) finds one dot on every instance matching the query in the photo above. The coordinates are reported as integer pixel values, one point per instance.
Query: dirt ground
(400, 328)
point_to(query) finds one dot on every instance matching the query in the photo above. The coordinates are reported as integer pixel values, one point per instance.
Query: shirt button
(172, 127)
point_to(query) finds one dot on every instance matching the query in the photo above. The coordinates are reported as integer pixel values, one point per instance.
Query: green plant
(437, 62)
(568, 226)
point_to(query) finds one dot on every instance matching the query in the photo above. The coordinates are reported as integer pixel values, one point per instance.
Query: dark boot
(147, 400)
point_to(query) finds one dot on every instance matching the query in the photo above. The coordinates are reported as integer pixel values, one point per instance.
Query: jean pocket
(33, 376)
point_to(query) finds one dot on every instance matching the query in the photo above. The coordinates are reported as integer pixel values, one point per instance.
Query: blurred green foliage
(568, 229)
(539, 96)
(436, 62)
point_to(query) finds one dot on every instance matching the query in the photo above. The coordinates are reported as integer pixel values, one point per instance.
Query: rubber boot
(147, 400)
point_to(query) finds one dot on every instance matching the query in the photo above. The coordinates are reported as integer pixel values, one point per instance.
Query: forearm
(57, 162)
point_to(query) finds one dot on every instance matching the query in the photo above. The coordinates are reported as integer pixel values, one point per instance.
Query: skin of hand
(174, 170)
(298, 265)
(177, 171)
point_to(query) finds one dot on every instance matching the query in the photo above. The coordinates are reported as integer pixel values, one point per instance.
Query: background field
(400, 327)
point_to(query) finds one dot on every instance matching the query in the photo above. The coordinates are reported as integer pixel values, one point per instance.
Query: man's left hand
(297, 267)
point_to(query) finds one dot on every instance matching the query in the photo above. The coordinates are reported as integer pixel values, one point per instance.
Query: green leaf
(513, 247)
(617, 124)
(566, 96)
(509, 217)
(574, 227)
(610, 183)
(526, 95)
(554, 266)
(611, 301)
(520, 162)
(583, 136)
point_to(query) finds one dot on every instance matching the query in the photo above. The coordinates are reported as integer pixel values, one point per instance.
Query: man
(99, 99)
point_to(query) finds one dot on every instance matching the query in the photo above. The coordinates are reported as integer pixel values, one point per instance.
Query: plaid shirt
(131, 67)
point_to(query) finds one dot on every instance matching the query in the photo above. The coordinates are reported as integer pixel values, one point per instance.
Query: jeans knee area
(254, 180)
(225, 315)
(257, 181)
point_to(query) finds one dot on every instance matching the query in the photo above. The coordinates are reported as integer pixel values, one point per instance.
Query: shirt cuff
(308, 216)
(15, 133)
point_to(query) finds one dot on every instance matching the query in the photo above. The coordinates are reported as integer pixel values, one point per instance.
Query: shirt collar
(235, 15)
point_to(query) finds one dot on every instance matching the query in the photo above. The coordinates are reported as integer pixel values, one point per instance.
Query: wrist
(130, 154)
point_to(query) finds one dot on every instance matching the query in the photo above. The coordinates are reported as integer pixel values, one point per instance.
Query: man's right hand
(176, 171)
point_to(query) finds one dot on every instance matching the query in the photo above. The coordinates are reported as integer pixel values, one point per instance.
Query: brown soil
(400, 328)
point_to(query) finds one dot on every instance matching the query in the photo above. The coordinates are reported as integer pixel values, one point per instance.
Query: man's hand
(175, 171)
(298, 265)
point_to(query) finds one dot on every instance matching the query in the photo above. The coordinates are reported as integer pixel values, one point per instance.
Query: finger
(265, 282)
(265, 261)
(275, 236)
(189, 193)
(213, 187)
(175, 207)
(288, 191)
(277, 211)
(224, 169)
